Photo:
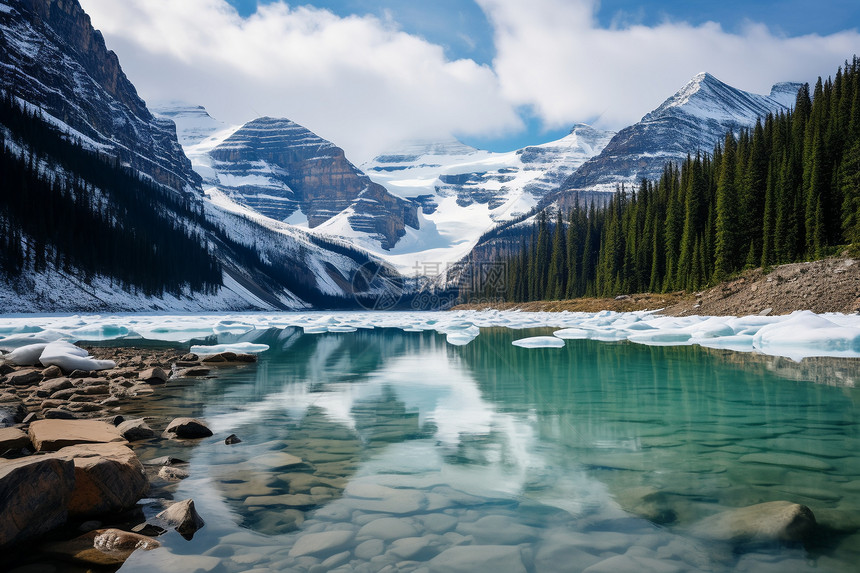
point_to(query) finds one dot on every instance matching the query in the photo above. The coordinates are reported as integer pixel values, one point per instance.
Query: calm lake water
(416, 455)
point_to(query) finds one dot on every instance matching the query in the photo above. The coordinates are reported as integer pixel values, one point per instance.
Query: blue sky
(449, 22)
(463, 30)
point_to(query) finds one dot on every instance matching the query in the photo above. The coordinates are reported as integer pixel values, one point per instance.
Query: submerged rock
(649, 503)
(321, 544)
(763, 522)
(102, 548)
(470, 558)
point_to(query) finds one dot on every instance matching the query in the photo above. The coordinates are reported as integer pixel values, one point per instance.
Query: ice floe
(796, 336)
(539, 342)
(238, 348)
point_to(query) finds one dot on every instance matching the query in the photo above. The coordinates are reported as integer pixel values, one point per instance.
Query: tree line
(785, 190)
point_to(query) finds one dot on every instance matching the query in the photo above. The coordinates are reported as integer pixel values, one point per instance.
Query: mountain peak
(707, 98)
(278, 133)
(694, 118)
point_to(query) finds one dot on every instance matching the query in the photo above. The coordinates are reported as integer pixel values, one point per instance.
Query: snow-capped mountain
(423, 207)
(53, 62)
(694, 119)
(464, 192)
(53, 59)
(286, 172)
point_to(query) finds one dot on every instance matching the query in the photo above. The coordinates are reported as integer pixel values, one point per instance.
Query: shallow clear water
(419, 455)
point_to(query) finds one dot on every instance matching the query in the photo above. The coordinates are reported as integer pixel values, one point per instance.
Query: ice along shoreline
(798, 335)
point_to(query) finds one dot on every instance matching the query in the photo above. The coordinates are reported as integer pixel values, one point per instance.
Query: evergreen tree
(728, 232)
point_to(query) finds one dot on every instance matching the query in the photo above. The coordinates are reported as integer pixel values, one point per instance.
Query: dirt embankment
(830, 285)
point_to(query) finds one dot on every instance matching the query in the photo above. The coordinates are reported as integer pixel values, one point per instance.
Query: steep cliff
(54, 60)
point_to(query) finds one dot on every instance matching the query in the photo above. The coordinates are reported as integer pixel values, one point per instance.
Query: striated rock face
(56, 61)
(694, 119)
(280, 168)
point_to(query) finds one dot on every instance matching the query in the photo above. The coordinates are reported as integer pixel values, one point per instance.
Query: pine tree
(728, 228)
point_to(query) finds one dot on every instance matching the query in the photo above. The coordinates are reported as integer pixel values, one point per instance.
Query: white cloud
(364, 84)
(551, 55)
(357, 81)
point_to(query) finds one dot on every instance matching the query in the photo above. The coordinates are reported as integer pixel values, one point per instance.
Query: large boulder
(764, 522)
(187, 428)
(34, 495)
(51, 435)
(108, 478)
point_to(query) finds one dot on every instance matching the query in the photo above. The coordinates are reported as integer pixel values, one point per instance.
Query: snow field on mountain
(798, 335)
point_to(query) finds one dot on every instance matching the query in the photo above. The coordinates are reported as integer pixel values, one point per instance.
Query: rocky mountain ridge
(694, 119)
(54, 60)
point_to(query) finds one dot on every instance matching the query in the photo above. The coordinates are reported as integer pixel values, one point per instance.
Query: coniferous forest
(72, 210)
(786, 190)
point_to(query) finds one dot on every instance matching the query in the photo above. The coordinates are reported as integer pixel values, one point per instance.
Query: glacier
(796, 336)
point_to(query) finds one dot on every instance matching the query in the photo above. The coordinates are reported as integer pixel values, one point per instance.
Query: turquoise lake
(384, 450)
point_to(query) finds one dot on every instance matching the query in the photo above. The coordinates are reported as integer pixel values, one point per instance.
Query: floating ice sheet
(795, 336)
(539, 342)
(237, 347)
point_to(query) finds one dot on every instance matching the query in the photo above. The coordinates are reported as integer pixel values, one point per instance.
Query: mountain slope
(101, 210)
(694, 119)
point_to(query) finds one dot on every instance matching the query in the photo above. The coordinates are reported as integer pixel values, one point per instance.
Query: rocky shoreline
(827, 285)
(70, 480)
